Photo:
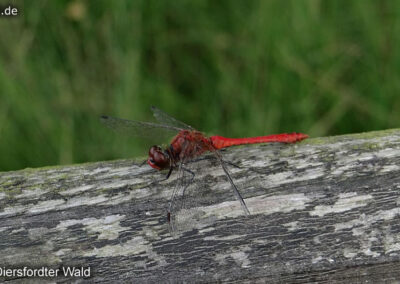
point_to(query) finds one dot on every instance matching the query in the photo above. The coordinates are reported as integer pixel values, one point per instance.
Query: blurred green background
(233, 68)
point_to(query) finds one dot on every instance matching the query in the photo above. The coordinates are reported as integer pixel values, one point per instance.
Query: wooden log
(325, 209)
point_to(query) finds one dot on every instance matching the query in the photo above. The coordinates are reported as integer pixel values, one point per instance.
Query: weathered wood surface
(322, 210)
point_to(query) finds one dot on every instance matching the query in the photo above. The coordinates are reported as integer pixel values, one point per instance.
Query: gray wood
(325, 210)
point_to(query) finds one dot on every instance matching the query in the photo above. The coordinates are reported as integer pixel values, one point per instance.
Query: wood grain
(324, 210)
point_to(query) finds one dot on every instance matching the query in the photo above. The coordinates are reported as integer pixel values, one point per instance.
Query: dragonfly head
(158, 159)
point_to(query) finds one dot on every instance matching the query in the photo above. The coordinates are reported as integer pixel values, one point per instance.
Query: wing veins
(137, 128)
(166, 119)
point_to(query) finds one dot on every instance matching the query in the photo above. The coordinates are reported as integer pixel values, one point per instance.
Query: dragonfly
(186, 145)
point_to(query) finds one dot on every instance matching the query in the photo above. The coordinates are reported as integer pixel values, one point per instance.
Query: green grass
(234, 68)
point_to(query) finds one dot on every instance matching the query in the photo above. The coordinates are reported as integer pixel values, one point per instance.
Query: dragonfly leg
(232, 164)
(169, 173)
(163, 179)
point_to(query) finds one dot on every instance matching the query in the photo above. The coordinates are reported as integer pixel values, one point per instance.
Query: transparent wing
(166, 119)
(187, 196)
(233, 185)
(193, 194)
(138, 128)
(235, 189)
(177, 199)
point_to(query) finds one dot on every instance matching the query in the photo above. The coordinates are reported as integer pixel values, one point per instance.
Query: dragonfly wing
(192, 194)
(138, 128)
(234, 187)
(166, 119)
(175, 203)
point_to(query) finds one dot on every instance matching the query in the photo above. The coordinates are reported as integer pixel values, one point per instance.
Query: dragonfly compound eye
(158, 159)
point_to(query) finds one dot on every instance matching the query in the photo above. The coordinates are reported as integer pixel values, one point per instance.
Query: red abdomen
(220, 142)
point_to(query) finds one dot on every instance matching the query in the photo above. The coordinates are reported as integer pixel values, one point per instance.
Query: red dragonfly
(187, 145)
